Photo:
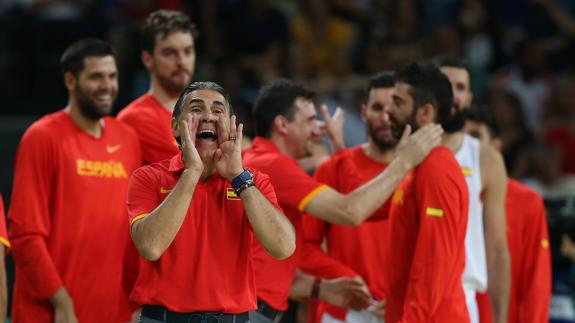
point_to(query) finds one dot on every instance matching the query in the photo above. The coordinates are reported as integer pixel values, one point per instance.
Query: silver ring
(232, 138)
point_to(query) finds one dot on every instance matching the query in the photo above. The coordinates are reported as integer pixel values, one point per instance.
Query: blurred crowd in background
(520, 53)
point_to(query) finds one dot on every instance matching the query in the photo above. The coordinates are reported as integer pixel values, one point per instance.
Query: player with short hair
(487, 264)
(527, 236)
(168, 52)
(195, 216)
(68, 210)
(286, 127)
(428, 215)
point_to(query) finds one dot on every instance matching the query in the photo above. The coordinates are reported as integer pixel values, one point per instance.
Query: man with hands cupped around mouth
(194, 217)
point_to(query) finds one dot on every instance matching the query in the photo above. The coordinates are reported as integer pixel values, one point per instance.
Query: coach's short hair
(276, 98)
(163, 22)
(428, 85)
(72, 59)
(179, 107)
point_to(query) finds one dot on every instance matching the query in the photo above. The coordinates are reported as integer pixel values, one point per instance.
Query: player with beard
(168, 53)
(527, 236)
(354, 251)
(286, 126)
(487, 265)
(428, 213)
(194, 217)
(68, 211)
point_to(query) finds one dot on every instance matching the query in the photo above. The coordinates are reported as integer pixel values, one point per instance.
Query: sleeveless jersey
(475, 274)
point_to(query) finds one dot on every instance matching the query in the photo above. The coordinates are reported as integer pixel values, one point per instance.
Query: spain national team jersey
(3, 233)
(528, 240)
(153, 124)
(68, 221)
(208, 266)
(351, 251)
(294, 189)
(426, 249)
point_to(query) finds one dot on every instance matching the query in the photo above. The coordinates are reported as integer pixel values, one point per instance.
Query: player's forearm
(271, 227)
(499, 274)
(302, 284)
(154, 233)
(61, 298)
(365, 200)
(35, 263)
(315, 261)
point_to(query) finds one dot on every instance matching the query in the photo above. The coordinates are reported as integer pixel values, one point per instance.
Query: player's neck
(283, 146)
(167, 99)
(453, 141)
(377, 154)
(93, 127)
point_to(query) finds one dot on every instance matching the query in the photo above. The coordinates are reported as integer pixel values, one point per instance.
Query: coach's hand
(413, 149)
(191, 156)
(228, 156)
(63, 307)
(345, 292)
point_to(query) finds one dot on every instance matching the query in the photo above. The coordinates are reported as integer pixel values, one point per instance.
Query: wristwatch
(244, 180)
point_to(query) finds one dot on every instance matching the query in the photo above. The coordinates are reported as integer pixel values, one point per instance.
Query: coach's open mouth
(207, 134)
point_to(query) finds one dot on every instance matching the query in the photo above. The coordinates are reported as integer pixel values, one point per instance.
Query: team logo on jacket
(113, 149)
(231, 194)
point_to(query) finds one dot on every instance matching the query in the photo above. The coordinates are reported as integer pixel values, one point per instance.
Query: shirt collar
(261, 143)
(177, 163)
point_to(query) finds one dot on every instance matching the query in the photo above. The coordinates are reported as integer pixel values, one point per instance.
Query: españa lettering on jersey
(99, 168)
(68, 219)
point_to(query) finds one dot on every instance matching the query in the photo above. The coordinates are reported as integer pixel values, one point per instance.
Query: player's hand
(413, 149)
(63, 307)
(333, 127)
(192, 159)
(377, 308)
(228, 156)
(64, 315)
(345, 292)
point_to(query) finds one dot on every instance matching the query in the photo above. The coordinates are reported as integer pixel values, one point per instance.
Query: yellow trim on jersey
(397, 197)
(434, 212)
(467, 171)
(304, 202)
(5, 242)
(139, 217)
(545, 243)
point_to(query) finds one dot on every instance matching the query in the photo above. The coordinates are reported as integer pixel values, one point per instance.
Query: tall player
(428, 212)
(286, 126)
(527, 236)
(68, 211)
(168, 53)
(354, 251)
(487, 265)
